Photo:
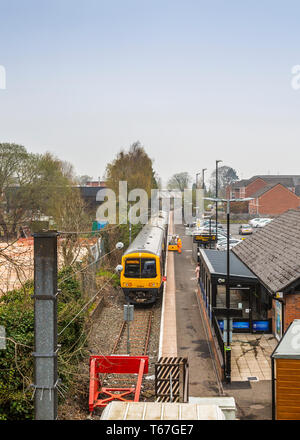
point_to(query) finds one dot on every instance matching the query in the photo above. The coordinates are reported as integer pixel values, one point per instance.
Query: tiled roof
(273, 252)
(286, 180)
(267, 188)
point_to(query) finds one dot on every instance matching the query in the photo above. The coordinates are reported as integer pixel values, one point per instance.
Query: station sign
(204, 238)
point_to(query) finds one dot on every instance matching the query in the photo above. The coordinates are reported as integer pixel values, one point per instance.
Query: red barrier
(115, 365)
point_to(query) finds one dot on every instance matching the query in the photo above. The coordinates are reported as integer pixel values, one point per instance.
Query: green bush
(16, 362)
(115, 280)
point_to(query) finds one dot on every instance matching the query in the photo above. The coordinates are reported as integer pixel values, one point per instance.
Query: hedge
(16, 361)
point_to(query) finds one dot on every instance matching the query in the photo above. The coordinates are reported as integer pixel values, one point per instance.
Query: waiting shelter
(246, 295)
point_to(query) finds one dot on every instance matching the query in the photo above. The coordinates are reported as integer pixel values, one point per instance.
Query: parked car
(222, 245)
(245, 229)
(254, 221)
(213, 224)
(263, 222)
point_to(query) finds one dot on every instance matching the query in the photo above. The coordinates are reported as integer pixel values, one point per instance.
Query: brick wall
(277, 200)
(254, 186)
(291, 308)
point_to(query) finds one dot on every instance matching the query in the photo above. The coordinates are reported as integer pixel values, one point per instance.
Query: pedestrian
(179, 245)
(197, 272)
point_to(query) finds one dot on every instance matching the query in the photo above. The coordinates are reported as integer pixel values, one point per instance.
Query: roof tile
(273, 252)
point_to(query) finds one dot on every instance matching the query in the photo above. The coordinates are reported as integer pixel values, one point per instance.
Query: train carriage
(143, 262)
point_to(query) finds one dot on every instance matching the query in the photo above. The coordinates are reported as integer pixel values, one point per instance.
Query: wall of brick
(277, 200)
(291, 308)
(254, 186)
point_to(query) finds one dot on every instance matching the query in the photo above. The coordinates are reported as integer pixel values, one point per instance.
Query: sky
(192, 80)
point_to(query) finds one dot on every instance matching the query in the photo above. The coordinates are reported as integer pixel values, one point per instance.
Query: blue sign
(239, 325)
(261, 326)
(242, 325)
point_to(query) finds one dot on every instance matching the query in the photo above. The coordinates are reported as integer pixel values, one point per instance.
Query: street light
(203, 170)
(227, 346)
(217, 183)
(197, 174)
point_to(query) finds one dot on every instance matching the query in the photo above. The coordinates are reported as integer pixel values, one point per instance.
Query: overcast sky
(193, 80)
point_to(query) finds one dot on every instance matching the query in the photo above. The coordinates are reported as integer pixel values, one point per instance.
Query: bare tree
(179, 181)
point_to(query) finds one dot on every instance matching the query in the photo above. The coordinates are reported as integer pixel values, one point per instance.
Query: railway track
(140, 329)
(139, 333)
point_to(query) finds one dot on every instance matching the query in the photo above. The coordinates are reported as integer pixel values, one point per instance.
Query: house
(273, 200)
(273, 194)
(273, 255)
(97, 183)
(89, 194)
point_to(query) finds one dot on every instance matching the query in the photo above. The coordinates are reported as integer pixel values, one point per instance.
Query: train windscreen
(140, 268)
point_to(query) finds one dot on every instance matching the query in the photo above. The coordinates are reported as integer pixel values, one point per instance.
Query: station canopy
(216, 262)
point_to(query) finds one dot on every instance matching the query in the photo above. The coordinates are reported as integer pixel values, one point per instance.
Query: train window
(140, 268)
(132, 268)
(148, 268)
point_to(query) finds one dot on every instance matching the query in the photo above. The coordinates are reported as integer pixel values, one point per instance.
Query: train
(143, 263)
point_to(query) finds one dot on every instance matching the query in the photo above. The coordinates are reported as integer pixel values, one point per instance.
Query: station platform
(168, 334)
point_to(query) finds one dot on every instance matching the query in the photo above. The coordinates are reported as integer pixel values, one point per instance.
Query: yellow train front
(143, 263)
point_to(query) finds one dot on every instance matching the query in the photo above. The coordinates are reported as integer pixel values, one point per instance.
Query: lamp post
(217, 184)
(197, 174)
(227, 342)
(203, 170)
(203, 186)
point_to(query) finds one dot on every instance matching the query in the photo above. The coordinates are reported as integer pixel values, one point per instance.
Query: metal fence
(219, 336)
(171, 379)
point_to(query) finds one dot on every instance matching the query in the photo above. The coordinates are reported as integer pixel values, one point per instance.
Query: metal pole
(217, 184)
(196, 197)
(273, 390)
(129, 225)
(203, 184)
(228, 352)
(216, 198)
(209, 232)
(45, 325)
(128, 338)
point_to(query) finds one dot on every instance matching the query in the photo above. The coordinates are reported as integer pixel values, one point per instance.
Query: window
(140, 268)
(148, 269)
(132, 268)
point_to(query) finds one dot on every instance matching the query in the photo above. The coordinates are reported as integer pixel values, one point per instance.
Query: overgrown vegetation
(16, 362)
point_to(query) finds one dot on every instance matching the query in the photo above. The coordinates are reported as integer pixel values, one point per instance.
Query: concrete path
(168, 346)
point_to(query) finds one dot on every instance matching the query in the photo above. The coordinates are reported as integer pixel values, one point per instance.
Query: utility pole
(227, 346)
(129, 219)
(45, 325)
(217, 184)
(203, 184)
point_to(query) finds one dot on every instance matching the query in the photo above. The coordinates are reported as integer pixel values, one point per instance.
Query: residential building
(272, 194)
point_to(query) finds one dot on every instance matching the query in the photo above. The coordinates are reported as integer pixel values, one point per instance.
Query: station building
(264, 278)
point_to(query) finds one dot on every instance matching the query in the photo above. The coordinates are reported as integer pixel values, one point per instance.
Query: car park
(213, 224)
(222, 245)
